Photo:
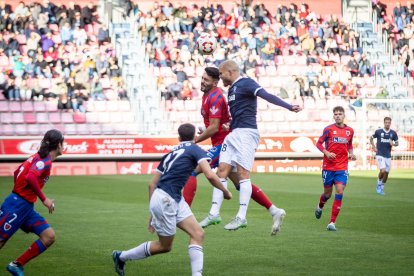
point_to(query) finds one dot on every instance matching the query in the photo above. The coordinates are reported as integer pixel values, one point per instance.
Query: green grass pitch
(97, 214)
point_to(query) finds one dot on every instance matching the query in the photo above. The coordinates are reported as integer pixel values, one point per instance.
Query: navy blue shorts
(17, 213)
(330, 178)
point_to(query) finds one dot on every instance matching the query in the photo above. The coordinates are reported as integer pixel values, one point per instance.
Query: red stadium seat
(29, 118)
(79, 118)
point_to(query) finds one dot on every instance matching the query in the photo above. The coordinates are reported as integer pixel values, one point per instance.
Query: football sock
(33, 251)
(142, 251)
(336, 207)
(217, 199)
(379, 182)
(190, 189)
(260, 197)
(273, 210)
(196, 259)
(245, 195)
(322, 200)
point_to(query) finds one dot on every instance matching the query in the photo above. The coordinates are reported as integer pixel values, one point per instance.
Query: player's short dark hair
(213, 72)
(387, 119)
(52, 139)
(186, 132)
(339, 108)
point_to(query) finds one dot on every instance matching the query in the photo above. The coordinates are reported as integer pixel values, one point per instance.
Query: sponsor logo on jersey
(340, 140)
(232, 98)
(214, 110)
(383, 140)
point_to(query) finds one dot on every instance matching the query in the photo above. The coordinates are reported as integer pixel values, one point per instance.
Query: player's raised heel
(318, 212)
(210, 220)
(277, 221)
(119, 265)
(15, 269)
(331, 227)
(236, 223)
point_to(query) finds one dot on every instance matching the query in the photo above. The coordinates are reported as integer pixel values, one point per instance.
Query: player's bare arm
(213, 178)
(212, 129)
(352, 155)
(371, 140)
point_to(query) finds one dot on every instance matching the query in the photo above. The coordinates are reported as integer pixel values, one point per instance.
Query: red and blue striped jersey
(40, 168)
(214, 105)
(337, 140)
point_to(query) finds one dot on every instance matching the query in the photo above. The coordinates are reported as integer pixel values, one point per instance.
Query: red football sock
(34, 250)
(336, 207)
(260, 197)
(190, 189)
(322, 200)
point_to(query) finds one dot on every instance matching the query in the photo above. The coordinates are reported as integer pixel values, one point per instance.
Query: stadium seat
(95, 129)
(103, 117)
(6, 130)
(4, 106)
(124, 106)
(33, 130)
(91, 117)
(54, 117)
(70, 129)
(82, 129)
(191, 105)
(39, 106)
(100, 106)
(66, 118)
(51, 106)
(107, 129)
(42, 118)
(20, 129)
(115, 117)
(27, 106)
(15, 106)
(112, 106)
(178, 105)
(17, 118)
(79, 117)
(29, 118)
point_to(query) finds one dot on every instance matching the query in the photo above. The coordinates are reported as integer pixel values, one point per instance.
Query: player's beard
(206, 88)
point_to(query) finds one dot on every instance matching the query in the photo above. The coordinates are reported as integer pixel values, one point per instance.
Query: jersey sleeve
(216, 106)
(395, 136)
(200, 154)
(324, 137)
(160, 167)
(350, 146)
(375, 135)
(254, 87)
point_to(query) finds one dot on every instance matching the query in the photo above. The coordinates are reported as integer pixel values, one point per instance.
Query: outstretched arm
(277, 101)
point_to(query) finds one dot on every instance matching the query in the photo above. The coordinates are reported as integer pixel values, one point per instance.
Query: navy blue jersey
(177, 166)
(383, 141)
(243, 103)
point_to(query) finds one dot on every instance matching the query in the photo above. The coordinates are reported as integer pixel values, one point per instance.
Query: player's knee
(48, 237)
(165, 248)
(199, 235)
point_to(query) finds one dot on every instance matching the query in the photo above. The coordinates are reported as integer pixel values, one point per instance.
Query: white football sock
(217, 199)
(142, 251)
(379, 182)
(245, 195)
(273, 210)
(196, 259)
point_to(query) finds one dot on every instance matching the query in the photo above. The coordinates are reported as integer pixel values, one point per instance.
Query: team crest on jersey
(348, 133)
(40, 165)
(382, 134)
(213, 110)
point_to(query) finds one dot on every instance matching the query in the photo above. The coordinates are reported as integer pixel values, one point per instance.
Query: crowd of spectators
(255, 38)
(57, 53)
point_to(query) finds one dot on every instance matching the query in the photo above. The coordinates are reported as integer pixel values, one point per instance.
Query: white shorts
(383, 163)
(167, 213)
(239, 147)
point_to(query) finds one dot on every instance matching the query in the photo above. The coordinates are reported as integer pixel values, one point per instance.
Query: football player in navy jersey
(239, 147)
(386, 139)
(168, 208)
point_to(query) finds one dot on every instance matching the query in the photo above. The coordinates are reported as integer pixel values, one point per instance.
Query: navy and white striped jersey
(383, 141)
(177, 166)
(243, 103)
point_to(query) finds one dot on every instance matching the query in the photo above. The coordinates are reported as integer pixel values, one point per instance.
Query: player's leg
(36, 224)
(213, 217)
(341, 179)
(195, 246)
(327, 181)
(386, 173)
(381, 162)
(163, 220)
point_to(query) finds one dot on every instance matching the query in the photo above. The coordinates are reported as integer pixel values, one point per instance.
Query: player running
(169, 209)
(215, 114)
(338, 147)
(386, 139)
(17, 210)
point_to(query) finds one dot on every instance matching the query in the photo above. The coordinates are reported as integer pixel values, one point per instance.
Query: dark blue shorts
(214, 154)
(330, 178)
(15, 213)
